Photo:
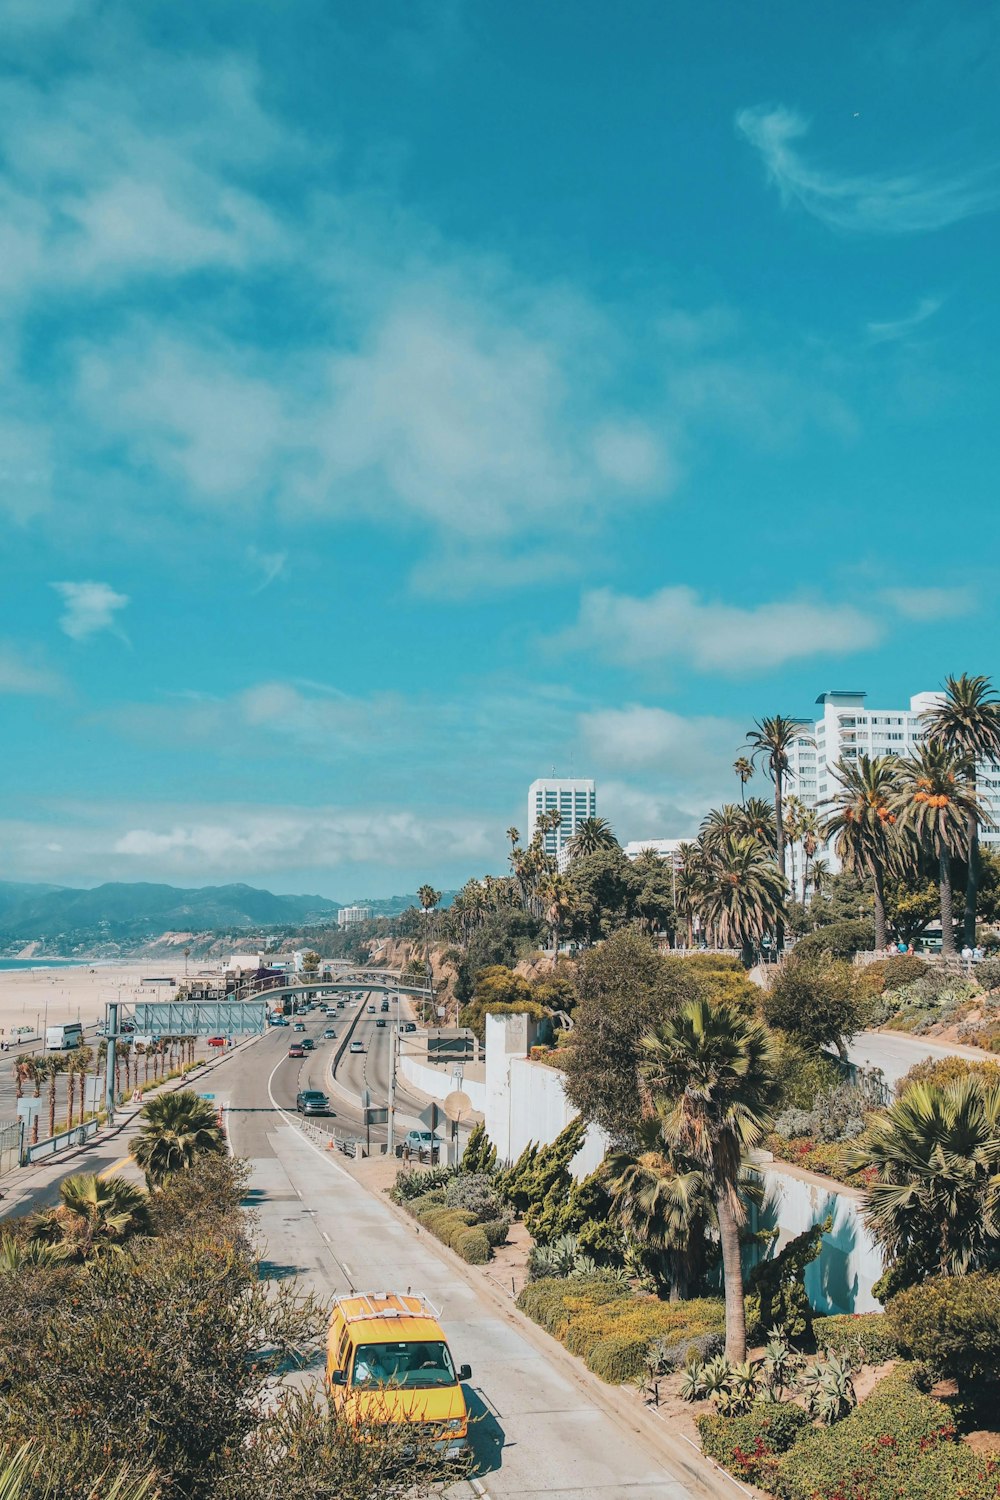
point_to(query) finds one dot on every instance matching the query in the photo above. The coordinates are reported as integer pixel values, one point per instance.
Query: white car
(357, 1047)
(422, 1140)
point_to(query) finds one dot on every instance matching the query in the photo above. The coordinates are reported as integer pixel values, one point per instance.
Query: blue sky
(401, 400)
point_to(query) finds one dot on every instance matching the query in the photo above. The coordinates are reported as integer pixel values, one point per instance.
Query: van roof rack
(369, 1300)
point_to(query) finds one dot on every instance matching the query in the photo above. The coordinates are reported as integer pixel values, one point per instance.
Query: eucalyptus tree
(710, 1075)
(966, 721)
(935, 799)
(863, 824)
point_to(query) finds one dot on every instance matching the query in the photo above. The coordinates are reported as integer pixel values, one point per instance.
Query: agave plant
(715, 1374)
(693, 1383)
(829, 1389)
(778, 1365)
(556, 1260)
(740, 1390)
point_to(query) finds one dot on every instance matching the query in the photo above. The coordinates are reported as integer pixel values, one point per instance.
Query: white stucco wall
(439, 1082)
(849, 1264)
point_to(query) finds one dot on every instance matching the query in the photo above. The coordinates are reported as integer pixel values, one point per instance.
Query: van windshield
(405, 1364)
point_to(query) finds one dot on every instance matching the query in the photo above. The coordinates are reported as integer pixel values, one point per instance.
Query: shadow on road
(276, 1270)
(487, 1436)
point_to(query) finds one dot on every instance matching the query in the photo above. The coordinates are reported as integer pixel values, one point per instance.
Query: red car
(216, 1041)
(296, 1050)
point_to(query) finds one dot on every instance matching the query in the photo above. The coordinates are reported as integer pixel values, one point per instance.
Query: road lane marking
(115, 1165)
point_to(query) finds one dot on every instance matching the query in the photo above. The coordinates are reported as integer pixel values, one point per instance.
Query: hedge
(615, 1331)
(455, 1227)
(898, 1442)
(866, 1336)
(748, 1446)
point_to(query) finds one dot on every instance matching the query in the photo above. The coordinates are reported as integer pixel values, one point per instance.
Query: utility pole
(111, 1036)
(390, 1117)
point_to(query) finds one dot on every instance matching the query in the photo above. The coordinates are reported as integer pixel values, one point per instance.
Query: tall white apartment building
(573, 800)
(849, 728)
(349, 916)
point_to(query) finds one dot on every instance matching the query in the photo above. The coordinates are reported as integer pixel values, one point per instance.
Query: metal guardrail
(10, 1144)
(78, 1136)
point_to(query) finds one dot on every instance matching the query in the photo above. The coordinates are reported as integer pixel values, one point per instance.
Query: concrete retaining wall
(440, 1082)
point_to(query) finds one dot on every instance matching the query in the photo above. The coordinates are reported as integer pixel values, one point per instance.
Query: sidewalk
(22, 1186)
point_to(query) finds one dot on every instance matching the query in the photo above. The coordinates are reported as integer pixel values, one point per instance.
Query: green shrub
(944, 1070)
(412, 1182)
(837, 940)
(619, 1359)
(864, 1337)
(898, 1443)
(474, 1191)
(891, 973)
(748, 1446)
(953, 1323)
(472, 1245)
(434, 1199)
(496, 1230)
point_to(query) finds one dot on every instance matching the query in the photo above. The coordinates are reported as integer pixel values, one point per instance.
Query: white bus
(60, 1038)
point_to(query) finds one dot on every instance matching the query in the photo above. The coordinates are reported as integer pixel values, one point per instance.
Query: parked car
(296, 1050)
(422, 1142)
(357, 1047)
(330, 1034)
(312, 1102)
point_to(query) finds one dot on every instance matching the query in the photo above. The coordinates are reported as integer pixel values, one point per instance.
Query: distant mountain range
(32, 912)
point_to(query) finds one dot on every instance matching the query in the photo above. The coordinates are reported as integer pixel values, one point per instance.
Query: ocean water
(37, 963)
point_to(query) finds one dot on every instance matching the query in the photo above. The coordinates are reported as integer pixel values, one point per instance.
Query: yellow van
(387, 1360)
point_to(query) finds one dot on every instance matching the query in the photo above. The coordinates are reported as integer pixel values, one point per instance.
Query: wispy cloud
(21, 674)
(884, 333)
(866, 203)
(676, 627)
(268, 566)
(931, 603)
(90, 608)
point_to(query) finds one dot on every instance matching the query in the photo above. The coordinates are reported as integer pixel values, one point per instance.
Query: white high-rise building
(849, 728)
(573, 800)
(349, 916)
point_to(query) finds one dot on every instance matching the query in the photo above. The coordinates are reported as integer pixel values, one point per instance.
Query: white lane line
(290, 1120)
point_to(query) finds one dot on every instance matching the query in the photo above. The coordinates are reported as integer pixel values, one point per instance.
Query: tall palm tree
(935, 800)
(95, 1215)
(557, 897)
(769, 742)
(21, 1069)
(744, 770)
(688, 885)
(934, 1206)
(742, 896)
(428, 898)
(591, 835)
(176, 1128)
(810, 838)
(863, 824)
(52, 1065)
(966, 721)
(710, 1076)
(820, 875)
(720, 823)
(84, 1061)
(35, 1072)
(795, 812)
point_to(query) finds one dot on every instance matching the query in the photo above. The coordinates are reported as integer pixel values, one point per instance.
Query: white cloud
(90, 608)
(675, 625)
(639, 737)
(865, 203)
(931, 603)
(891, 332)
(21, 675)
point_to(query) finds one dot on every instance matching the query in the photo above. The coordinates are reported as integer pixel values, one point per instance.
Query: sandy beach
(34, 998)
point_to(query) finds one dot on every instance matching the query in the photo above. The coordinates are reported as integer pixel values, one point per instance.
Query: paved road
(896, 1052)
(542, 1431)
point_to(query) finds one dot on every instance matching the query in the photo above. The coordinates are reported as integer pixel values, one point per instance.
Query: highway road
(895, 1052)
(542, 1429)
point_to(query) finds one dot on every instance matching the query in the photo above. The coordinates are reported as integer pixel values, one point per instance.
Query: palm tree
(966, 721)
(720, 823)
(795, 811)
(769, 741)
(21, 1067)
(934, 1206)
(863, 824)
(935, 800)
(36, 1072)
(665, 1208)
(744, 770)
(591, 835)
(176, 1128)
(757, 822)
(428, 898)
(688, 885)
(95, 1215)
(83, 1060)
(51, 1066)
(820, 875)
(709, 1073)
(557, 897)
(742, 896)
(810, 838)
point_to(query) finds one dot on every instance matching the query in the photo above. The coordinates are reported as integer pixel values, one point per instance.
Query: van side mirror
(338, 1377)
(465, 1372)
